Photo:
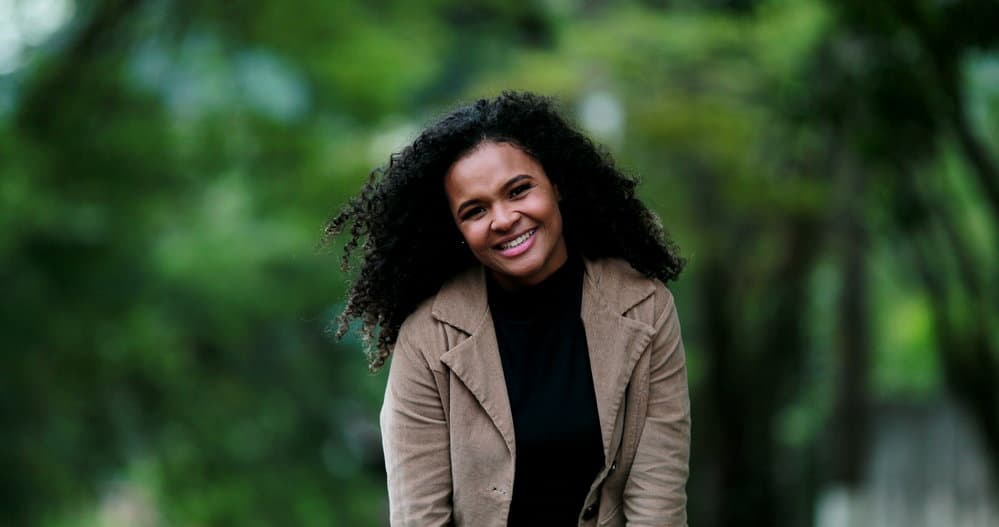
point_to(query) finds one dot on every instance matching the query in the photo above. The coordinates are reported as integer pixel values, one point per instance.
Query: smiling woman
(538, 375)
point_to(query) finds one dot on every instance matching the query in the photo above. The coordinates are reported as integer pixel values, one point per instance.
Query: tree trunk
(852, 411)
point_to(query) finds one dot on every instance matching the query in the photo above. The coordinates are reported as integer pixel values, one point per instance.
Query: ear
(558, 195)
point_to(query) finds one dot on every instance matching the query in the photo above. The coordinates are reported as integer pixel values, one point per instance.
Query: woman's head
(506, 209)
(456, 197)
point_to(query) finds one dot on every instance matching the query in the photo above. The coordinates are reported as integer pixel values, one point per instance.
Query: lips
(509, 244)
(517, 245)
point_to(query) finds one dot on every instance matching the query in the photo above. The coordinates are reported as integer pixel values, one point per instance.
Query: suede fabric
(447, 429)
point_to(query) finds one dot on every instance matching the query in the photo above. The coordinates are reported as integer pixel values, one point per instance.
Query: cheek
(555, 221)
(552, 214)
(474, 235)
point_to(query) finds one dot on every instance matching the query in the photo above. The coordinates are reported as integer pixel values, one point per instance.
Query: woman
(537, 373)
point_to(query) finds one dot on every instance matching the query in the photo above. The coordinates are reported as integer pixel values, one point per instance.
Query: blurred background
(829, 168)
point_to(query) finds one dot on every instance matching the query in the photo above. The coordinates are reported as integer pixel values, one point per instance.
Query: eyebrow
(511, 182)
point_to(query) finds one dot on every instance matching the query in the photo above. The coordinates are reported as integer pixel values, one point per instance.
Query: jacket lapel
(615, 342)
(462, 303)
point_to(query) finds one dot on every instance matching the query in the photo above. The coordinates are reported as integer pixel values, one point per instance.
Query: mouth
(516, 241)
(517, 245)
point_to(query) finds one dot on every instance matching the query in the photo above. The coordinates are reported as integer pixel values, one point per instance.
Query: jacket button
(590, 512)
(613, 467)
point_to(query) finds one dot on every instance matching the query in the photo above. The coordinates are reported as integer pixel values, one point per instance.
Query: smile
(518, 240)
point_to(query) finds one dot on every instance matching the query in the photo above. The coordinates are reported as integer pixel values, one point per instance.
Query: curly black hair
(410, 246)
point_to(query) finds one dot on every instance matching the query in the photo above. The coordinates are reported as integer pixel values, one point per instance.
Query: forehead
(488, 166)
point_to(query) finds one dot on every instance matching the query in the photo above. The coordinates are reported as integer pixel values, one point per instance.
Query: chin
(520, 273)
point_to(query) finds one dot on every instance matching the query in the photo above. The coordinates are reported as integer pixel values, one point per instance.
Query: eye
(519, 189)
(472, 212)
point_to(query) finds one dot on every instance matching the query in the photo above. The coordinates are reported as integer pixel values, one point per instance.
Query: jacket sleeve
(415, 441)
(654, 493)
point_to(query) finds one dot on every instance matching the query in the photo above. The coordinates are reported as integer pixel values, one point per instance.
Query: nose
(504, 219)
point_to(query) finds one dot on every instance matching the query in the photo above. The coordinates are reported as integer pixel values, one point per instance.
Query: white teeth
(517, 241)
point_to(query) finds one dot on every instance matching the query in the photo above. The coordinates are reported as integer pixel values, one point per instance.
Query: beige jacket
(447, 430)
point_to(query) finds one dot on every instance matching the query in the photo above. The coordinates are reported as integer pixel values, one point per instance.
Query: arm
(655, 491)
(415, 441)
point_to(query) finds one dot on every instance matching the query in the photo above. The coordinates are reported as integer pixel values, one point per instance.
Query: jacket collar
(462, 301)
(610, 288)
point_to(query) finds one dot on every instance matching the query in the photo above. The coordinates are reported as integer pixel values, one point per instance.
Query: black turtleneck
(546, 365)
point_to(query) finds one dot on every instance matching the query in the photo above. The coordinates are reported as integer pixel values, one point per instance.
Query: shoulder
(416, 335)
(458, 308)
(628, 291)
(417, 340)
(419, 322)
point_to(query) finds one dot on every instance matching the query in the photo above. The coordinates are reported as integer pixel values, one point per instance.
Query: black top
(546, 365)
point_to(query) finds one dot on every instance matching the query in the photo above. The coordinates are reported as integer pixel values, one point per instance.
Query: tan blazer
(447, 430)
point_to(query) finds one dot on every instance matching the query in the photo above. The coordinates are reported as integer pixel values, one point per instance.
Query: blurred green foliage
(166, 168)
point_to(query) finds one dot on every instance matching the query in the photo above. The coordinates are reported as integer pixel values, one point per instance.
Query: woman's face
(507, 210)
